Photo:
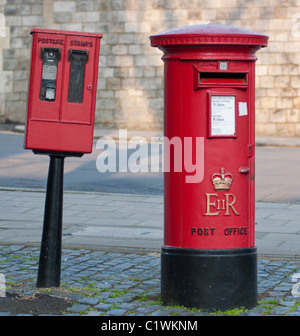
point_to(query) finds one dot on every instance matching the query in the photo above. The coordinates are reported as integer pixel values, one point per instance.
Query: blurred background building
(130, 85)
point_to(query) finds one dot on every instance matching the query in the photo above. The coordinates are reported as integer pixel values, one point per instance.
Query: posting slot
(223, 78)
(78, 60)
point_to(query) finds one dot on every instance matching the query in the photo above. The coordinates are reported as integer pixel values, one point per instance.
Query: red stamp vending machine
(62, 91)
(60, 122)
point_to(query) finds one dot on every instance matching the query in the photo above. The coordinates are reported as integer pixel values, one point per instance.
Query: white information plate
(243, 109)
(49, 72)
(222, 115)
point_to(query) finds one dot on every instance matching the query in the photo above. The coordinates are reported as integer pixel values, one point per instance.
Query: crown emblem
(222, 181)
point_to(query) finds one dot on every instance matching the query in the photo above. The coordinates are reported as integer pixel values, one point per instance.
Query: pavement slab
(104, 221)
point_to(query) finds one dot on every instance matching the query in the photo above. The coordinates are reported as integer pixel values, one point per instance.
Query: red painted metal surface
(56, 123)
(210, 94)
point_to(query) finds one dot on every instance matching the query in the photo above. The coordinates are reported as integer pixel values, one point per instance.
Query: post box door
(225, 216)
(79, 71)
(46, 77)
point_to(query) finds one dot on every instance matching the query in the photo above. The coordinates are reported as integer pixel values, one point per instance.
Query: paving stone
(89, 301)
(78, 308)
(288, 303)
(116, 312)
(160, 313)
(103, 306)
(293, 314)
(93, 313)
(24, 315)
(280, 310)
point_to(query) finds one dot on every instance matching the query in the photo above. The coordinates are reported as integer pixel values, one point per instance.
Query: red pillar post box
(209, 256)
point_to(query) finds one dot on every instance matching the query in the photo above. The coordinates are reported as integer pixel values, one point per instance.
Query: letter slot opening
(223, 78)
(78, 59)
(50, 58)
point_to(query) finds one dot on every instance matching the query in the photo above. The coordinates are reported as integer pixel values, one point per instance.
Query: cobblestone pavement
(100, 283)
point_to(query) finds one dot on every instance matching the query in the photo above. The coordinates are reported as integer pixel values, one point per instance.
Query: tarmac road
(20, 168)
(277, 174)
(277, 170)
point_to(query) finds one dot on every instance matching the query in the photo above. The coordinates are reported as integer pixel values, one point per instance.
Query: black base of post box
(209, 279)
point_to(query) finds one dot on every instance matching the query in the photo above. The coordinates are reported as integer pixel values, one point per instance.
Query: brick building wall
(130, 86)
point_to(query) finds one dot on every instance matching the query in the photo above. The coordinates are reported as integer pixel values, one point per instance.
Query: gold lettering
(220, 204)
(209, 204)
(230, 204)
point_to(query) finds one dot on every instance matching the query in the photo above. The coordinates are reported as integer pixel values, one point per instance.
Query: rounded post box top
(209, 34)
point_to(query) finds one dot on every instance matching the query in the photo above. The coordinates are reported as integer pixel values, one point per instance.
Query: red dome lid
(209, 34)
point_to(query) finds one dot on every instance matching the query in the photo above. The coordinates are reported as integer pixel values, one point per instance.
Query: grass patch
(268, 305)
(232, 312)
(118, 293)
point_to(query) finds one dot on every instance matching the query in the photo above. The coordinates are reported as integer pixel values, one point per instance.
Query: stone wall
(130, 86)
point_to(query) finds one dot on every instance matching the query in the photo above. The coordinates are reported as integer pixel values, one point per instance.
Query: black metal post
(50, 252)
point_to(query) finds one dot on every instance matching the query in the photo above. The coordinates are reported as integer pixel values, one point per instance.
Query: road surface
(277, 172)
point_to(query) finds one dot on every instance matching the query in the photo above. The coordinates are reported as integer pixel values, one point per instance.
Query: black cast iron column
(50, 253)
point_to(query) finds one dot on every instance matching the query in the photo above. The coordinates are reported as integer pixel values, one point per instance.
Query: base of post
(210, 279)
